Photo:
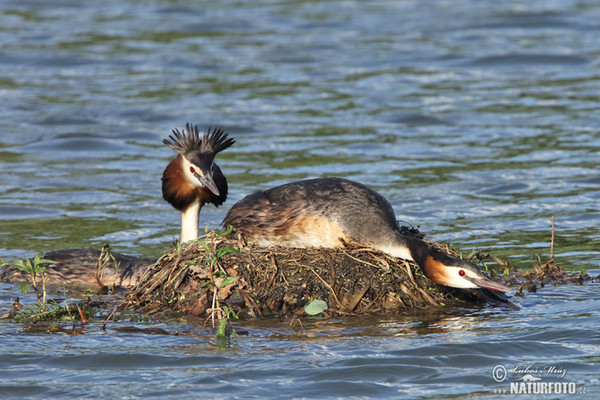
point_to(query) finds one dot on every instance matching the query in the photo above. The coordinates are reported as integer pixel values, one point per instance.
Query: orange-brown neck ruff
(434, 270)
(180, 193)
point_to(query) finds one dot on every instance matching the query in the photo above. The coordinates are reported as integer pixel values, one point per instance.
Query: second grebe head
(198, 153)
(193, 179)
(454, 272)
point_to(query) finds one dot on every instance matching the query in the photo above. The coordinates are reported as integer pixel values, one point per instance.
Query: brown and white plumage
(192, 179)
(329, 212)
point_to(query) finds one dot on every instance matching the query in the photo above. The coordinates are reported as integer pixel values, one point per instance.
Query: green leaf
(222, 251)
(21, 266)
(315, 307)
(229, 312)
(37, 260)
(229, 280)
(225, 232)
(204, 245)
(24, 287)
(222, 328)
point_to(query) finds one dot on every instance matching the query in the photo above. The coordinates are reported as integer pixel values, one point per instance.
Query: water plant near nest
(103, 259)
(44, 311)
(219, 279)
(224, 329)
(53, 312)
(34, 268)
(202, 264)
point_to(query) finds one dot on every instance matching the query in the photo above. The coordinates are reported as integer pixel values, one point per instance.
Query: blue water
(477, 120)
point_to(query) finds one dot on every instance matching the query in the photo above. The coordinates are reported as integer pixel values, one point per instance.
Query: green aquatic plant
(224, 329)
(103, 259)
(34, 268)
(53, 312)
(43, 311)
(219, 278)
(213, 254)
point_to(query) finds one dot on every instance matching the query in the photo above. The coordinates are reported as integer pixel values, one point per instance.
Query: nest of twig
(216, 272)
(547, 273)
(543, 273)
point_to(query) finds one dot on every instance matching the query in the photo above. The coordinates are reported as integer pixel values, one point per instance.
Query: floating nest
(542, 274)
(217, 272)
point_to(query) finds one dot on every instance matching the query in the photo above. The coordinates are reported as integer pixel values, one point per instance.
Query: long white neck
(405, 247)
(189, 222)
(398, 250)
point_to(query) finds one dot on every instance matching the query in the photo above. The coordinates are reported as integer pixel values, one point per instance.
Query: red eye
(461, 272)
(192, 169)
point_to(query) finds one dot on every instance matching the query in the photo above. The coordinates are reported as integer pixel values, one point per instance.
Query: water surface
(477, 120)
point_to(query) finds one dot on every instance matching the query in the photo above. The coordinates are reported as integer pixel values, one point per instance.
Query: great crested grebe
(192, 179)
(329, 212)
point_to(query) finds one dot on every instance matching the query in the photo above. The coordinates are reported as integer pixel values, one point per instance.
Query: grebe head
(198, 153)
(454, 272)
(192, 179)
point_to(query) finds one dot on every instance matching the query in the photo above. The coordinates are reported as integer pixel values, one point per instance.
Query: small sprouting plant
(581, 271)
(219, 278)
(34, 268)
(213, 254)
(224, 329)
(104, 258)
(43, 310)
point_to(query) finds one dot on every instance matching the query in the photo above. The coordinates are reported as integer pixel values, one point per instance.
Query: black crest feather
(190, 142)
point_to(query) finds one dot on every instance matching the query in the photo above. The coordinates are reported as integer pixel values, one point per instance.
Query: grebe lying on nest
(330, 212)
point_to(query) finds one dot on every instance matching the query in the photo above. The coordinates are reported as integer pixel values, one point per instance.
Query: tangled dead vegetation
(219, 273)
(543, 273)
(223, 277)
(547, 273)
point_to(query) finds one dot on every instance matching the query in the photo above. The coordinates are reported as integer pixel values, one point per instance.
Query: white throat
(396, 250)
(189, 222)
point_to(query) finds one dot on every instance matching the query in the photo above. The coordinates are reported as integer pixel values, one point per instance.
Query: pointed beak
(207, 182)
(487, 283)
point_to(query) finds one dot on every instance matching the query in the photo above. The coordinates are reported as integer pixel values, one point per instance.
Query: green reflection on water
(39, 234)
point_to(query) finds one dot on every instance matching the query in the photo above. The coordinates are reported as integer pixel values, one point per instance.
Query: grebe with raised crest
(189, 181)
(192, 179)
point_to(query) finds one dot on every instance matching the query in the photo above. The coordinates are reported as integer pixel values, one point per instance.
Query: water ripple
(476, 120)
